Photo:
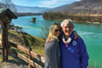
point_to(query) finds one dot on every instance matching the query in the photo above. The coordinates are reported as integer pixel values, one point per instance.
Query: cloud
(43, 3)
(55, 3)
(49, 2)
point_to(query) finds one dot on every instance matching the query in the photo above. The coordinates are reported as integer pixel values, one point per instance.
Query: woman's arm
(52, 54)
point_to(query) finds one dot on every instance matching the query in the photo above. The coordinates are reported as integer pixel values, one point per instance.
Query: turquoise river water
(91, 34)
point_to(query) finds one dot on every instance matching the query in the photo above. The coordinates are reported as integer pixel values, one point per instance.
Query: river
(91, 34)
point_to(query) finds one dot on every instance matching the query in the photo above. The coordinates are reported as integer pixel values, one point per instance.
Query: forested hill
(83, 6)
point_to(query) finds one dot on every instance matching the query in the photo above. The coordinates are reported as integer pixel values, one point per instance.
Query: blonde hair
(51, 35)
(67, 22)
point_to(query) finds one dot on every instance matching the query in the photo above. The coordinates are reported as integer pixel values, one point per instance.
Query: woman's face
(67, 29)
(57, 32)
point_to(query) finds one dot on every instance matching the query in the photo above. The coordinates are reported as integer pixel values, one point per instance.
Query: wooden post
(5, 19)
(30, 49)
(4, 33)
(5, 42)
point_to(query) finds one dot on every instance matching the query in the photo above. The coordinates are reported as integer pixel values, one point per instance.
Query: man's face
(67, 29)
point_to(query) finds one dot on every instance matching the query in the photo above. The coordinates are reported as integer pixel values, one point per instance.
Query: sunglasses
(56, 30)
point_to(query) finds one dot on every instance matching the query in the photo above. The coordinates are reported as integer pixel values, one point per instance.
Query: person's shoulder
(51, 45)
(80, 40)
(54, 40)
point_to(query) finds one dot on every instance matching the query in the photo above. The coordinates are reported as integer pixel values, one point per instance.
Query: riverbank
(86, 18)
(89, 32)
(27, 14)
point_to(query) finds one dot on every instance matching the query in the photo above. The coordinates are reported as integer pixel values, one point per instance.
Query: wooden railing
(31, 55)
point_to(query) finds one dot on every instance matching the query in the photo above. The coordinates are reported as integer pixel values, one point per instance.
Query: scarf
(66, 42)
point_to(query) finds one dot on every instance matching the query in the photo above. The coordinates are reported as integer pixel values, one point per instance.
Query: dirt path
(14, 62)
(11, 65)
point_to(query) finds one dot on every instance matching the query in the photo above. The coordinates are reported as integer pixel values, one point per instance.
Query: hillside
(83, 6)
(89, 11)
(27, 41)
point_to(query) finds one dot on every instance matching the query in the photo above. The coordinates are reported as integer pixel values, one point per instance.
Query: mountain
(83, 6)
(26, 9)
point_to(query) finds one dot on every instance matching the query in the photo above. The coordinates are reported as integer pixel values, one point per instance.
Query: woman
(52, 50)
(73, 51)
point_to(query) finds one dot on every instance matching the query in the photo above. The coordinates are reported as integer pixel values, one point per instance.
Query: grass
(37, 44)
(39, 50)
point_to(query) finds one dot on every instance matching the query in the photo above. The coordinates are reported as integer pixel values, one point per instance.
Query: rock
(96, 22)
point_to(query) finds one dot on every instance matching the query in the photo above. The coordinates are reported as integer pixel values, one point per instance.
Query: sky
(43, 3)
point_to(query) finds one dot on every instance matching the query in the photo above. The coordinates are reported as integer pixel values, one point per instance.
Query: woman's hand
(76, 35)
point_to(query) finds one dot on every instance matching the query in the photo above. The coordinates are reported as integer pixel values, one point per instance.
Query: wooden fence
(6, 17)
(39, 59)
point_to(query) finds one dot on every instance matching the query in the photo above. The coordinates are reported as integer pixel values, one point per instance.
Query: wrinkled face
(67, 29)
(57, 32)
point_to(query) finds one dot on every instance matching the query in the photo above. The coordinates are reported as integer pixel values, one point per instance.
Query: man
(73, 51)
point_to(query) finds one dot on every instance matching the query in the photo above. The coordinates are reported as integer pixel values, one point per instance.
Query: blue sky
(43, 3)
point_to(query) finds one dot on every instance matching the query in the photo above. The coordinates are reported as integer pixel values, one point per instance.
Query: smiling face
(67, 29)
(57, 32)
